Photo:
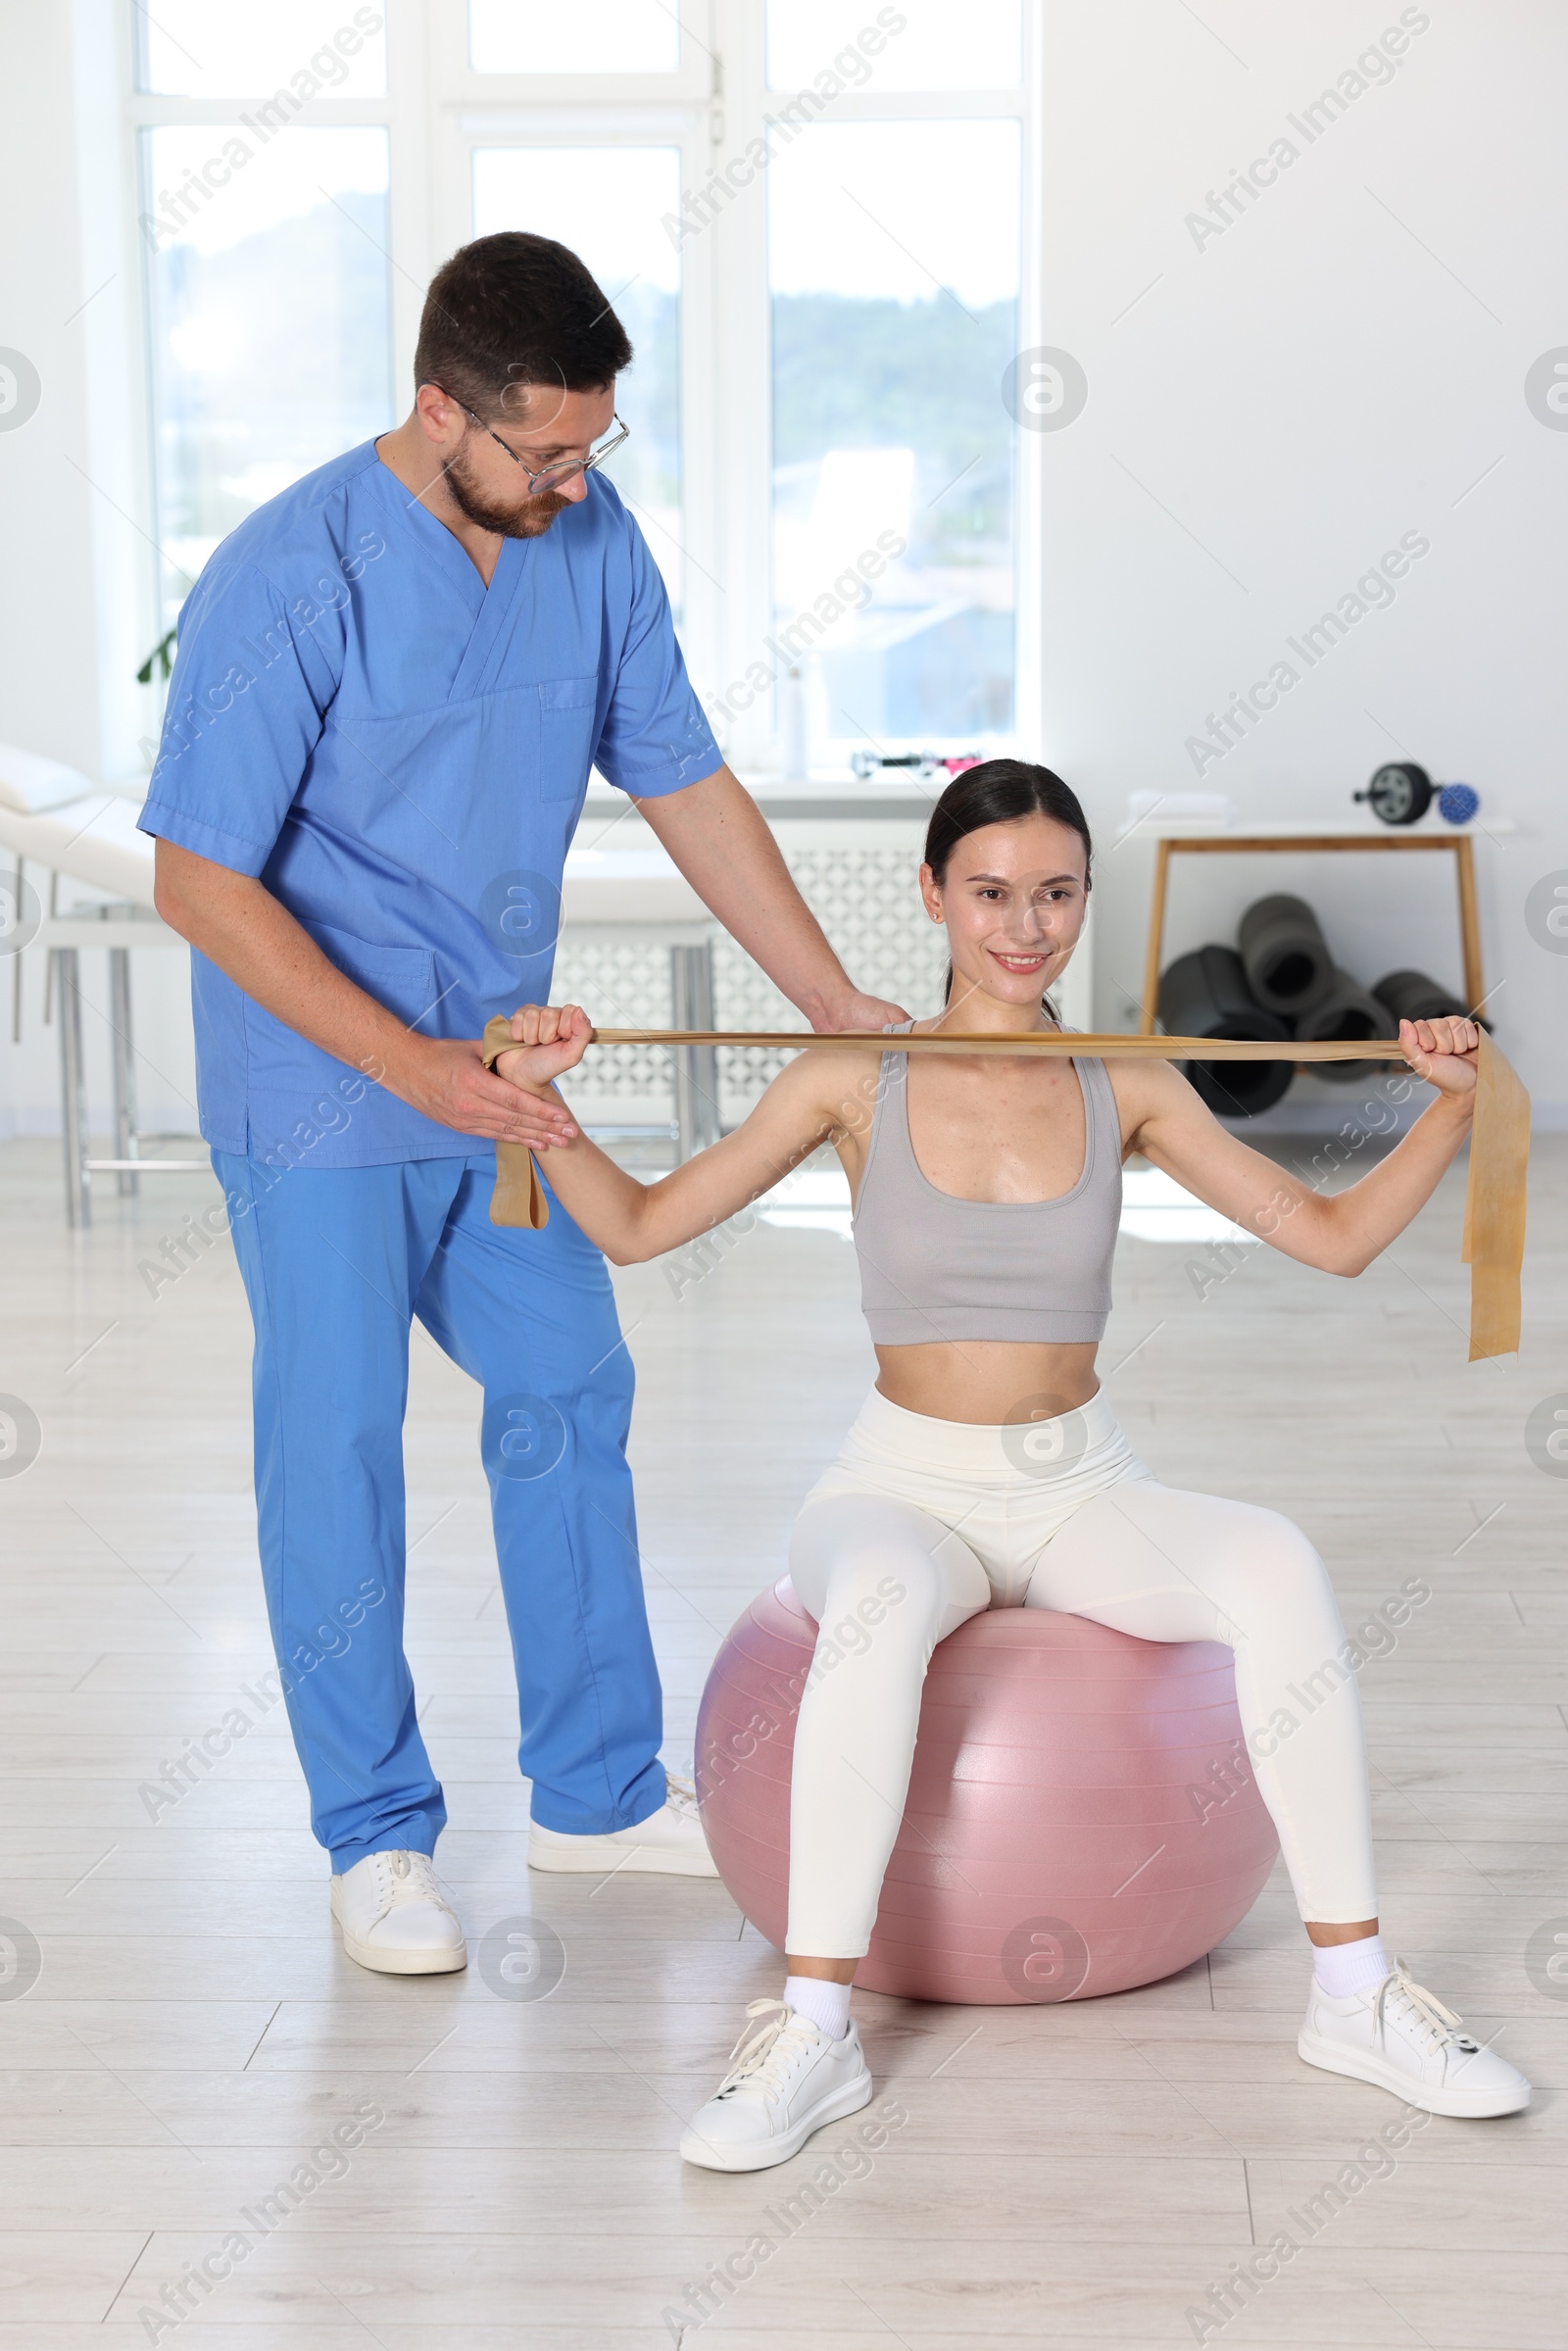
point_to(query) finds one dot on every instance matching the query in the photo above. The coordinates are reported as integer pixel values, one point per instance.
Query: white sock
(826, 2005)
(1343, 1969)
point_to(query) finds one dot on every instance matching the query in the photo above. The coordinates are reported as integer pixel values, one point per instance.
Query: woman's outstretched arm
(1340, 1232)
(630, 1220)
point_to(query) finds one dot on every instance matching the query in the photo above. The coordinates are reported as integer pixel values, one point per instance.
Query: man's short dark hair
(514, 309)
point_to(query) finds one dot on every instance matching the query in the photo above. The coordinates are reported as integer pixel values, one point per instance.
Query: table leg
(1475, 987)
(691, 991)
(127, 1184)
(73, 1090)
(16, 966)
(1157, 934)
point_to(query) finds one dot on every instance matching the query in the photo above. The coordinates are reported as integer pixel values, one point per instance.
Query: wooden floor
(1080, 2176)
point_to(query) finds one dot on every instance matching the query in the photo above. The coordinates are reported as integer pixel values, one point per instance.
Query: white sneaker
(669, 1840)
(1400, 2038)
(787, 2081)
(396, 1919)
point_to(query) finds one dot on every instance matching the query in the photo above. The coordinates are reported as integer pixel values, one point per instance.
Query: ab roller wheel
(1402, 793)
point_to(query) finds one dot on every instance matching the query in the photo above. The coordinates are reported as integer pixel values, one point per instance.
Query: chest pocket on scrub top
(566, 707)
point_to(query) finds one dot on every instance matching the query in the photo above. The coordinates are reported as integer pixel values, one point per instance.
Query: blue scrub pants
(335, 1261)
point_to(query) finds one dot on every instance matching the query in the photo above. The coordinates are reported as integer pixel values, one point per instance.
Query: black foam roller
(1206, 994)
(1348, 1010)
(1412, 995)
(1285, 955)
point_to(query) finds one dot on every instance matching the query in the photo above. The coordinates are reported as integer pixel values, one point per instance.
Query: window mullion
(417, 251)
(742, 373)
(702, 331)
(1029, 447)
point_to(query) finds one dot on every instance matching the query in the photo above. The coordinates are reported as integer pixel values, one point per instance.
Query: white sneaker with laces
(396, 1919)
(670, 1841)
(785, 2082)
(1400, 2038)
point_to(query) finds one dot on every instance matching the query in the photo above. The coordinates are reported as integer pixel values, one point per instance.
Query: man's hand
(1443, 1053)
(853, 1010)
(551, 1038)
(237, 923)
(447, 1079)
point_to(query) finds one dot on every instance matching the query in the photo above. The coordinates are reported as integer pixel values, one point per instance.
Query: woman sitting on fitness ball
(987, 1195)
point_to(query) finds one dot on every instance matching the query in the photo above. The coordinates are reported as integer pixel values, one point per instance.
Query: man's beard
(526, 522)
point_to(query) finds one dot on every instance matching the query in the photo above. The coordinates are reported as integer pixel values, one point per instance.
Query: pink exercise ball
(1081, 1816)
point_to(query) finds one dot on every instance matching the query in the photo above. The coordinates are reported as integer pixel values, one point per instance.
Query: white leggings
(1054, 1514)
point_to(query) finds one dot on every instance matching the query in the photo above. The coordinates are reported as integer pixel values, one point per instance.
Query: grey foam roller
(1285, 955)
(1348, 1010)
(1412, 995)
(1206, 994)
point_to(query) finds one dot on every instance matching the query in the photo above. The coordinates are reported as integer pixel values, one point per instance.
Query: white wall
(1340, 366)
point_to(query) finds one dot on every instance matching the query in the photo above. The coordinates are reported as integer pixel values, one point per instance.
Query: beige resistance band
(1493, 1243)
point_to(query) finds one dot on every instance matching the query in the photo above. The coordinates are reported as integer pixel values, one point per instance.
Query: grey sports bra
(935, 1267)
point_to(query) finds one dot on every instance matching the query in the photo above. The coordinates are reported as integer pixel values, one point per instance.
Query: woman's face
(1013, 900)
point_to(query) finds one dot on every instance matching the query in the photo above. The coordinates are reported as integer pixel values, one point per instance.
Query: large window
(811, 217)
(933, 46)
(208, 49)
(265, 232)
(606, 203)
(893, 271)
(612, 36)
(268, 325)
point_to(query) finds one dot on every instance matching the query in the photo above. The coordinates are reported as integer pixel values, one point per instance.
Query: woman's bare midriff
(987, 1381)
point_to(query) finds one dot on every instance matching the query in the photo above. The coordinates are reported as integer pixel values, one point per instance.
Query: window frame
(437, 109)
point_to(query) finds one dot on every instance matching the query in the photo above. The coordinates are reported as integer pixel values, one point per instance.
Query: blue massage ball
(1458, 803)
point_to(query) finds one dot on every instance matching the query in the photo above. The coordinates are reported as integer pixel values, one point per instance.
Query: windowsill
(842, 795)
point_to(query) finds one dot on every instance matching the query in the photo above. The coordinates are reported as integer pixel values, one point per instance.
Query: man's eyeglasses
(550, 477)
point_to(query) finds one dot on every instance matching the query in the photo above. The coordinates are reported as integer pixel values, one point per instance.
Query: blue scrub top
(401, 755)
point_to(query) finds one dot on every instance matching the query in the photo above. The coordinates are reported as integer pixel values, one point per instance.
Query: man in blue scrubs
(391, 685)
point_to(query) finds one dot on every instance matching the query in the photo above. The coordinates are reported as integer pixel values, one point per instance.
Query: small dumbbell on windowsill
(922, 763)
